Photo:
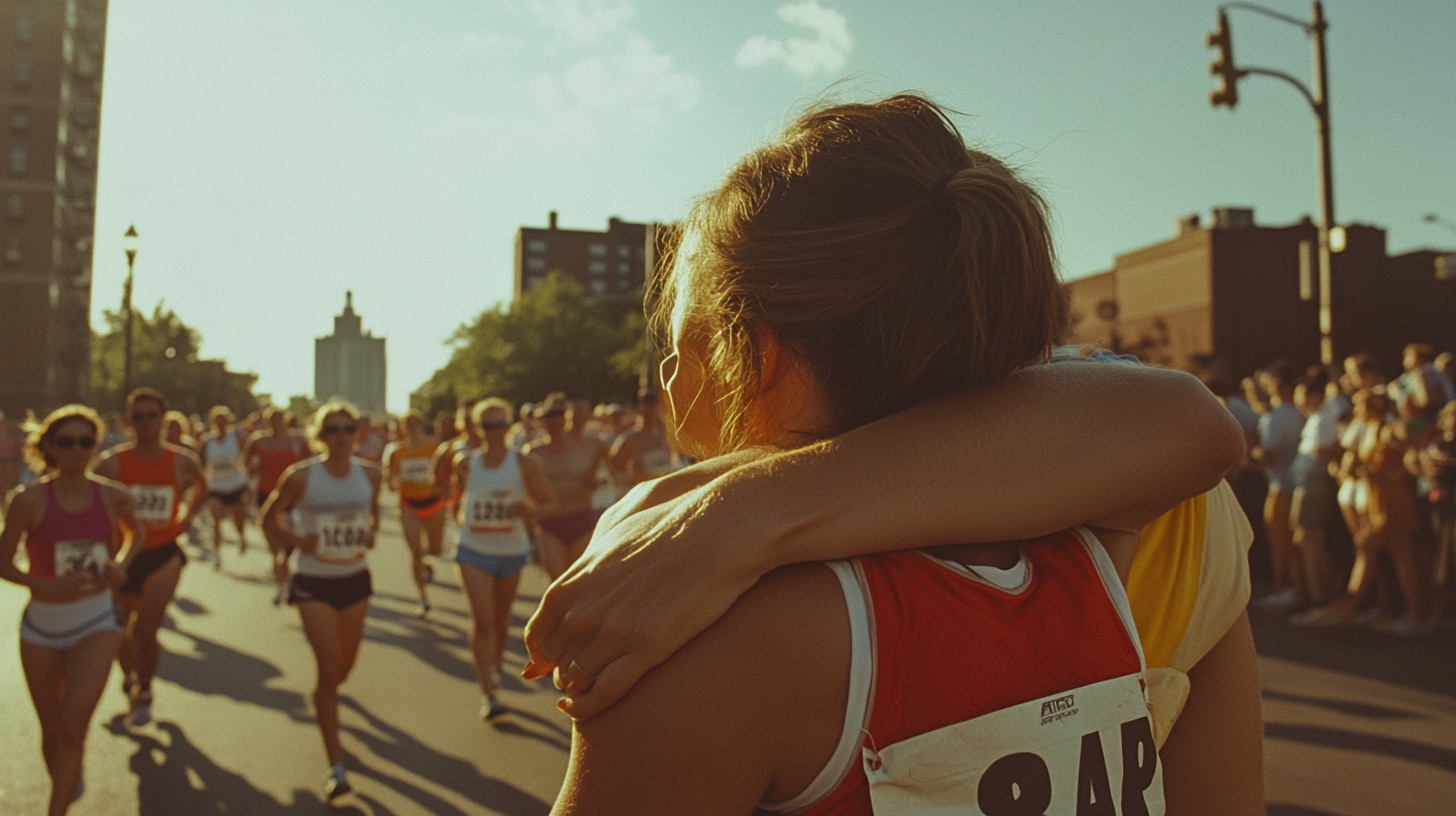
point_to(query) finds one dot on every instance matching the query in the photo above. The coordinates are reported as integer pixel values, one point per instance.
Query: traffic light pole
(1319, 103)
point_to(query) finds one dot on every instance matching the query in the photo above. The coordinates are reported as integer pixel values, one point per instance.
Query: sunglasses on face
(496, 425)
(337, 429)
(68, 442)
(145, 416)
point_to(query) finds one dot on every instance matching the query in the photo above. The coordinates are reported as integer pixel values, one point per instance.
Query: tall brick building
(51, 55)
(1234, 296)
(608, 264)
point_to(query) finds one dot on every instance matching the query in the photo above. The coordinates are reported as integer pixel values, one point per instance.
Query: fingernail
(564, 705)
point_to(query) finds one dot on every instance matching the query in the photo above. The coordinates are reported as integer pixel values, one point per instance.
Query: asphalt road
(1357, 723)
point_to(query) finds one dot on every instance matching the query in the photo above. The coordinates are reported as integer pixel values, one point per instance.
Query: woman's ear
(789, 404)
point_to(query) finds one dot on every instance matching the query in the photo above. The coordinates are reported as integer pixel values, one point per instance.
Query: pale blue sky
(273, 153)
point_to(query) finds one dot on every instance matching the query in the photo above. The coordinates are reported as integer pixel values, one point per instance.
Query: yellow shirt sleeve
(1188, 583)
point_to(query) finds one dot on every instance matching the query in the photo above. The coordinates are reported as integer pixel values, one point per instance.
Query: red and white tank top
(971, 694)
(66, 543)
(154, 493)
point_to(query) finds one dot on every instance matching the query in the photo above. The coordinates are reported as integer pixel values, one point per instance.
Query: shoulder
(110, 462)
(29, 498)
(371, 469)
(298, 471)
(112, 490)
(181, 452)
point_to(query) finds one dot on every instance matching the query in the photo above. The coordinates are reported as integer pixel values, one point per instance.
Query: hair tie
(937, 190)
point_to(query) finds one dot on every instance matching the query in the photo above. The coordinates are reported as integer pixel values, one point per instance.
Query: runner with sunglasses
(72, 523)
(167, 487)
(336, 497)
(502, 489)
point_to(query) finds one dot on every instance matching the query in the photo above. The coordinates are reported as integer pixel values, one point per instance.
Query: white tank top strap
(861, 691)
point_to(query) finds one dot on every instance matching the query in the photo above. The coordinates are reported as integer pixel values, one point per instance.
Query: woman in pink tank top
(72, 523)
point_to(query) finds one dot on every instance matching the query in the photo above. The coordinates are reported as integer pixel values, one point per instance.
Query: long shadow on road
(1428, 665)
(170, 786)
(450, 772)
(218, 669)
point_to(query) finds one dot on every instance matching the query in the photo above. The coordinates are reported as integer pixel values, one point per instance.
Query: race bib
(153, 504)
(85, 555)
(222, 465)
(416, 470)
(491, 511)
(342, 536)
(1087, 751)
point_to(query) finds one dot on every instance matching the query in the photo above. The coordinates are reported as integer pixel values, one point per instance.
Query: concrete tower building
(350, 364)
(51, 55)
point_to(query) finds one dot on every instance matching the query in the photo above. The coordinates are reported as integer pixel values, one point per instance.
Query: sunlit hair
(316, 422)
(220, 411)
(462, 414)
(176, 418)
(492, 402)
(42, 432)
(893, 261)
(139, 394)
(1423, 352)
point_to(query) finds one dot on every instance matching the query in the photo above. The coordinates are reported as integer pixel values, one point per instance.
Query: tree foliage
(553, 338)
(164, 357)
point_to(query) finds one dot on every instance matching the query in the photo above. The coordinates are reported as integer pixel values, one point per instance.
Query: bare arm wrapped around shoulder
(1045, 449)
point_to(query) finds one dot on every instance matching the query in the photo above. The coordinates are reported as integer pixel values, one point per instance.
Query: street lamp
(1319, 103)
(128, 243)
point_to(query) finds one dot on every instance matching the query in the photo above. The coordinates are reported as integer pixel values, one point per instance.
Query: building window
(532, 281)
(624, 251)
(623, 284)
(19, 118)
(12, 249)
(23, 30)
(624, 269)
(599, 288)
(18, 161)
(596, 250)
(536, 264)
(15, 205)
(597, 267)
(536, 246)
(22, 72)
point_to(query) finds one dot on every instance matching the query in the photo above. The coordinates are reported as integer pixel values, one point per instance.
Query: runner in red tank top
(267, 456)
(167, 488)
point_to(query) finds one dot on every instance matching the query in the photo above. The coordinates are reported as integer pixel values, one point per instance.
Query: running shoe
(278, 596)
(141, 709)
(429, 574)
(336, 785)
(491, 708)
(80, 788)
(1407, 627)
(423, 610)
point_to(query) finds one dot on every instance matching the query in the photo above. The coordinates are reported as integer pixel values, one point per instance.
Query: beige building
(51, 55)
(350, 364)
(1233, 296)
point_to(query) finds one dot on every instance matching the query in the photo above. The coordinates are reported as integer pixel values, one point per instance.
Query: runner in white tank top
(500, 489)
(227, 480)
(337, 499)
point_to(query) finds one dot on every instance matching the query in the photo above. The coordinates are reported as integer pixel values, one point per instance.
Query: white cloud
(827, 52)
(610, 68)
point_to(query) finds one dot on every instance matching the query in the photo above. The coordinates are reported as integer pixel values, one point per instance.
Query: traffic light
(1223, 66)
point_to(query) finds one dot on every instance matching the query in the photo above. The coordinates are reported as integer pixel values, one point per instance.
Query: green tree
(553, 338)
(164, 357)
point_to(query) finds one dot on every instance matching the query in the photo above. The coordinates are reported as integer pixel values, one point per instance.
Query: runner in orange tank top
(167, 487)
(410, 472)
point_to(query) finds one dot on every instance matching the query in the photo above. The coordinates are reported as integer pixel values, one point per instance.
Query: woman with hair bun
(867, 264)
(73, 524)
(336, 497)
